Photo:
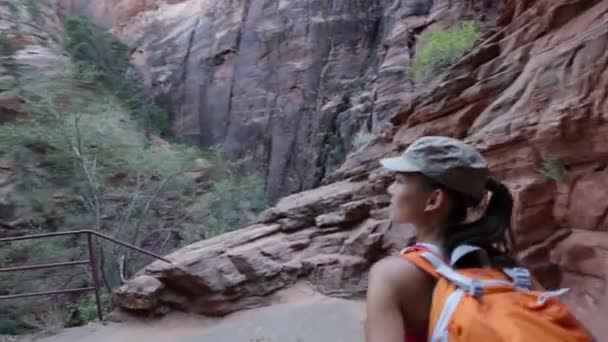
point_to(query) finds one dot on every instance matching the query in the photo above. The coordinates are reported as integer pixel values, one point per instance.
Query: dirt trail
(311, 318)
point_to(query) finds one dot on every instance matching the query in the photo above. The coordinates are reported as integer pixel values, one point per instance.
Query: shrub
(441, 48)
(85, 309)
(9, 327)
(33, 7)
(361, 139)
(90, 45)
(99, 53)
(7, 48)
(70, 126)
(233, 195)
(49, 319)
(81, 159)
(554, 169)
(334, 151)
(91, 119)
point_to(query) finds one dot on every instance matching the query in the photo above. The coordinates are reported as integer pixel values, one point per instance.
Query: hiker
(422, 294)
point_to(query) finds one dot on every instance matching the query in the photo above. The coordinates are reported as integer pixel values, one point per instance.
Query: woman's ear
(434, 200)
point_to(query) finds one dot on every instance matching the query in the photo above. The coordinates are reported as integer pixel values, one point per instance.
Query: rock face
(237, 270)
(291, 82)
(536, 90)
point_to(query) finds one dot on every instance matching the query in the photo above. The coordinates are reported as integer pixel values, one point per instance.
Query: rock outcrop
(328, 235)
(291, 82)
(533, 92)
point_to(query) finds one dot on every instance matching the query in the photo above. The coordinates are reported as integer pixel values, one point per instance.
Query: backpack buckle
(476, 288)
(521, 277)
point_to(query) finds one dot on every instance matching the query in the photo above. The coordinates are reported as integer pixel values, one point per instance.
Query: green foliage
(20, 139)
(7, 82)
(80, 159)
(554, 169)
(441, 48)
(7, 48)
(49, 318)
(220, 165)
(88, 309)
(77, 136)
(54, 249)
(10, 327)
(33, 8)
(362, 138)
(232, 194)
(162, 162)
(93, 48)
(253, 188)
(84, 310)
(334, 152)
(92, 121)
(157, 117)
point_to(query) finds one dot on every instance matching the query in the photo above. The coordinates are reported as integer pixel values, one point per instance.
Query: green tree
(441, 48)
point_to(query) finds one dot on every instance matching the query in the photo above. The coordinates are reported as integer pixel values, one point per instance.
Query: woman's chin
(395, 218)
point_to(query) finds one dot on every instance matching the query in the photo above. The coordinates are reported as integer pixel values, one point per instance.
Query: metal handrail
(92, 261)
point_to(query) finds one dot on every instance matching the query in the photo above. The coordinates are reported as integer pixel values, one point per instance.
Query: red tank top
(415, 338)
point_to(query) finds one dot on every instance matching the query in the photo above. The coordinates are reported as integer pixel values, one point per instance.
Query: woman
(437, 180)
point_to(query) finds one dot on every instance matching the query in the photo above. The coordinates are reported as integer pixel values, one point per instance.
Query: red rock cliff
(291, 82)
(533, 91)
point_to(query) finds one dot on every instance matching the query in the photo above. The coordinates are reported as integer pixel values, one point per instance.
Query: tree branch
(130, 209)
(147, 206)
(89, 174)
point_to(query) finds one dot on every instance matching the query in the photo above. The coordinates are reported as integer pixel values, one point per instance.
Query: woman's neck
(431, 235)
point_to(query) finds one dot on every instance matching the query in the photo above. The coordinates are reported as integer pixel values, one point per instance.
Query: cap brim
(399, 164)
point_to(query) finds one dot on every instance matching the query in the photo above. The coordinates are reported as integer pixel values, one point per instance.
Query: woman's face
(412, 203)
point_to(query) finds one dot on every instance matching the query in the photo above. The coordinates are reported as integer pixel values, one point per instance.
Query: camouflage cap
(449, 161)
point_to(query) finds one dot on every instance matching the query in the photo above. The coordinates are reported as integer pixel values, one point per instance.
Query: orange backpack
(488, 304)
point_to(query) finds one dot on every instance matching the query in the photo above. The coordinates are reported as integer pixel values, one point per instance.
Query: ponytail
(492, 232)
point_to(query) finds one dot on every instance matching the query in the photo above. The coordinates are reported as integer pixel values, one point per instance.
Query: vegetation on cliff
(89, 150)
(440, 48)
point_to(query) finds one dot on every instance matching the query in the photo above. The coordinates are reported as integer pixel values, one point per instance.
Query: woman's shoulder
(399, 273)
(396, 281)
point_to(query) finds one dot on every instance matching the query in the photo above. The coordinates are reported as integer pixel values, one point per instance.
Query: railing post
(95, 273)
(92, 235)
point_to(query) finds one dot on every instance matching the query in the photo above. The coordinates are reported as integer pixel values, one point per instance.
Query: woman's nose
(391, 189)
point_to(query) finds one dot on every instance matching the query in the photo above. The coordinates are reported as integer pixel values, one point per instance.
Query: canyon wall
(532, 96)
(289, 82)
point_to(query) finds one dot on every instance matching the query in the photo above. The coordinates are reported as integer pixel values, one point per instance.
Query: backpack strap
(427, 258)
(429, 247)
(520, 276)
(545, 296)
(414, 255)
(464, 250)
(440, 332)
(473, 286)
(463, 285)
(432, 262)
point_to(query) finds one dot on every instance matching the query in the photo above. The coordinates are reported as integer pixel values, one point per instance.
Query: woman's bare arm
(384, 321)
(398, 298)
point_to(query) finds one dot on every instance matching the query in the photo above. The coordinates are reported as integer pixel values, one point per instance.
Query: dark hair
(492, 232)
